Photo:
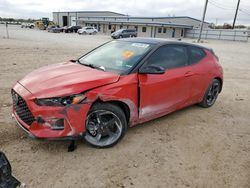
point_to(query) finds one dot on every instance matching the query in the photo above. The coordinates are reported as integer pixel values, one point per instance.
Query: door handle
(189, 73)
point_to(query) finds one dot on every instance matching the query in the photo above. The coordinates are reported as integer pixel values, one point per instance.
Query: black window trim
(154, 48)
(189, 54)
(164, 45)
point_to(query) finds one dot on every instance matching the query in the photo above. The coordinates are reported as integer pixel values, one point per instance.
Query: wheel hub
(103, 127)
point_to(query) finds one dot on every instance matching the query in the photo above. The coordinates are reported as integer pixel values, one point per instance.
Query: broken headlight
(61, 101)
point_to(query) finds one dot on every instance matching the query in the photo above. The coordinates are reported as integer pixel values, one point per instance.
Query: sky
(218, 11)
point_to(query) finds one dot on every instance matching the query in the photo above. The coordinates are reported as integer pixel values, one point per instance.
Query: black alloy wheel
(211, 94)
(105, 125)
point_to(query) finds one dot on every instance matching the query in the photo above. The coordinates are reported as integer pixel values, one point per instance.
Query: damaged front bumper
(48, 122)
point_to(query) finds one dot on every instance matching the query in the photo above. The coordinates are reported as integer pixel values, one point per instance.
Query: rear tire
(211, 94)
(105, 125)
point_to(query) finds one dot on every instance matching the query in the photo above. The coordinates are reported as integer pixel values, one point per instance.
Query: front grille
(22, 109)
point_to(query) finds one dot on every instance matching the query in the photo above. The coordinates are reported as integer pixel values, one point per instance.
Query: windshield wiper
(94, 66)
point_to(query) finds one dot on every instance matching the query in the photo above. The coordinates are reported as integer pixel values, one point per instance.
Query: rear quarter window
(196, 54)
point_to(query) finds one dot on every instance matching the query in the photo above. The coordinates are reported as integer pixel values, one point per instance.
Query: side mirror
(152, 69)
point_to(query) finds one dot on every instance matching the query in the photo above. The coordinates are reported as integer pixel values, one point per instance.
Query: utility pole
(202, 22)
(236, 12)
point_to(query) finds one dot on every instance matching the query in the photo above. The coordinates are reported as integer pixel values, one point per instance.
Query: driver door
(163, 93)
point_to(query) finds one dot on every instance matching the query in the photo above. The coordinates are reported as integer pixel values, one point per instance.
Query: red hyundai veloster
(117, 85)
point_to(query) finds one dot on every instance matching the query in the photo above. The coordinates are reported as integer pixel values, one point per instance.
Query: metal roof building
(107, 21)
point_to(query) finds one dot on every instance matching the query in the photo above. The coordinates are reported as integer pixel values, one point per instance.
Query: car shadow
(61, 146)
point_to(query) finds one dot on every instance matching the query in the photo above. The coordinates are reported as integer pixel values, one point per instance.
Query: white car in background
(28, 25)
(87, 30)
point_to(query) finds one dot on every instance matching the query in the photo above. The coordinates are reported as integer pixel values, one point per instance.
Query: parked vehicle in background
(28, 25)
(72, 29)
(55, 29)
(118, 85)
(64, 28)
(87, 30)
(124, 33)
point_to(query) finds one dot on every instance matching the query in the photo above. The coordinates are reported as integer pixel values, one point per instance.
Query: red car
(117, 85)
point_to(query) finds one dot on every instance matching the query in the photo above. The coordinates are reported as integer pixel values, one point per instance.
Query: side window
(195, 54)
(170, 56)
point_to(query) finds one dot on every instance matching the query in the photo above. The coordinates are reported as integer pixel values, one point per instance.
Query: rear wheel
(105, 125)
(211, 94)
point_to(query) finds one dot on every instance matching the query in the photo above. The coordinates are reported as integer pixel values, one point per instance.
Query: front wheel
(211, 94)
(105, 125)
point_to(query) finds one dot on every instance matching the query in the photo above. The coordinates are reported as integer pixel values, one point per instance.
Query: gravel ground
(193, 147)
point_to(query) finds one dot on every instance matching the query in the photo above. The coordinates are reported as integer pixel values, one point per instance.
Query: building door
(73, 21)
(173, 33)
(65, 20)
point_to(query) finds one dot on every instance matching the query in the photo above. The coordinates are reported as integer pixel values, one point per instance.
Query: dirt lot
(194, 147)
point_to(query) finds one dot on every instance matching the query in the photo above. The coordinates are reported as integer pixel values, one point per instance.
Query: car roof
(160, 41)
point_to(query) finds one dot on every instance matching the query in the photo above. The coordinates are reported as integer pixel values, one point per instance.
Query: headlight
(61, 101)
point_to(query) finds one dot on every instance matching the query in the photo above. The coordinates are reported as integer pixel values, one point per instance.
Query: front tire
(211, 94)
(105, 125)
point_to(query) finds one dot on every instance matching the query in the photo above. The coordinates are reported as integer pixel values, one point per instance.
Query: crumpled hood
(65, 79)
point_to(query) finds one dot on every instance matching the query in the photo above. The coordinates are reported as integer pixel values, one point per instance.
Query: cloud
(192, 8)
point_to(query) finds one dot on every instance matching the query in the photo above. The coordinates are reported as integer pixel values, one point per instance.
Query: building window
(164, 30)
(144, 29)
(121, 26)
(159, 30)
(109, 27)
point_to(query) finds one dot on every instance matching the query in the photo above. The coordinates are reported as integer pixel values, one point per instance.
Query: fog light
(58, 124)
(54, 123)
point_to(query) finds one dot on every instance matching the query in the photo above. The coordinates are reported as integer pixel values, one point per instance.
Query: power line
(248, 11)
(218, 6)
(244, 12)
(222, 5)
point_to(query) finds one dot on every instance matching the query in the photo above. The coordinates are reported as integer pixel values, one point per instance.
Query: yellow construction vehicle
(43, 24)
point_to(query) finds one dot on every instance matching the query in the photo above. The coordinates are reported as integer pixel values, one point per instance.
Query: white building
(106, 21)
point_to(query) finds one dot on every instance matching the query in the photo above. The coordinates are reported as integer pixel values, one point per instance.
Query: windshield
(116, 56)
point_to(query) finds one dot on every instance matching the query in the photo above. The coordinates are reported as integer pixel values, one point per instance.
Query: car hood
(65, 79)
